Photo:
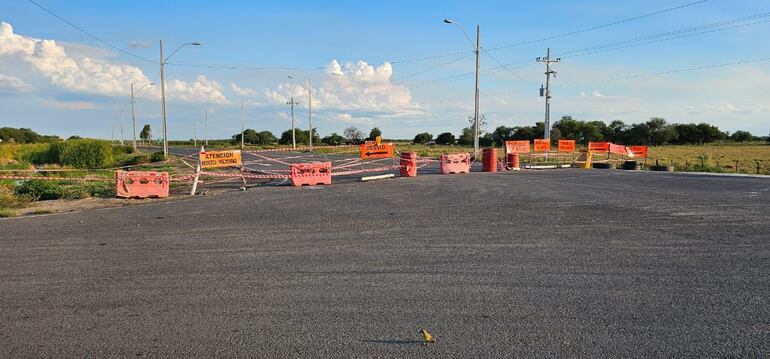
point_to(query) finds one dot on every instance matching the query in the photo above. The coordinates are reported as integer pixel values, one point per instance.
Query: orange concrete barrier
(141, 184)
(408, 164)
(311, 174)
(459, 163)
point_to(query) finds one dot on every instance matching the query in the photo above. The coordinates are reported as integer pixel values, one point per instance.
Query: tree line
(654, 132)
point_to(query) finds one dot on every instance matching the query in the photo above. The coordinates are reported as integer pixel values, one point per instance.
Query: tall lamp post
(476, 108)
(133, 113)
(163, 90)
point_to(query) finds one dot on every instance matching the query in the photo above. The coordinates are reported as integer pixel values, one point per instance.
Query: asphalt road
(566, 263)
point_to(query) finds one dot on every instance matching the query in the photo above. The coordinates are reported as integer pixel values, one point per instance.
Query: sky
(394, 65)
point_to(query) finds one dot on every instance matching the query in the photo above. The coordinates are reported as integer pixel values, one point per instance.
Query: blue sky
(353, 51)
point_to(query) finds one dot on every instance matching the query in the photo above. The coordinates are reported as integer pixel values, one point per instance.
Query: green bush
(122, 149)
(88, 154)
(157, 157)
(40, 190)
(135, 160)
(55, 152)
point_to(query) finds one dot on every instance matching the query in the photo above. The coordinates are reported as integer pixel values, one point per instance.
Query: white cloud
(134, 44)
(358, 87)
(242, 91)
(88, 76)
(13, 85)
(70, 105)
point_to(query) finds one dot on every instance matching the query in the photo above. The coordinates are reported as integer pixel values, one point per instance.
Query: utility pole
(195, 133)
(243, 124)
(546, 92)
(121, 126)
(310, 112)
(112, 136)
(133, 116)
(163, 100)
(293, 137)
(476, 108)
(206, 126)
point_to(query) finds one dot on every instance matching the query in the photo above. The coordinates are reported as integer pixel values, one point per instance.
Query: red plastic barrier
(459, 163)
(513, 160)
(638, 151)
(140, 184)
(489, 160)
(409, 164)
(599, 146)
(311, 174)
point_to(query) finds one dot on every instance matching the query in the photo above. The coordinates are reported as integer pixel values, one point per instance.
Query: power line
(507, 69)
(433, 67)
(92, 35)
(598, 27)
(686, 69)
(234, 67)
(671, 35)
(556, 36)
(624, 44)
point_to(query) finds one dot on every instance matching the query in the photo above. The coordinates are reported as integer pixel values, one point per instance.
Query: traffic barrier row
(311, 174)
(457, 163)
(141, 184)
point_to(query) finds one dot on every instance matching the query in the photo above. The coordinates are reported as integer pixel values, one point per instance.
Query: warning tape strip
(55, 178)
(301, 148)
(379, 169)
(238, 175)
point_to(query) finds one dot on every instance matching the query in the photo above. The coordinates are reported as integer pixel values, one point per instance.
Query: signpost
(376, 150)
(217, 159)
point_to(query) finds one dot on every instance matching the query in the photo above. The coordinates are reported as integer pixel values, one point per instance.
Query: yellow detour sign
(213, 159)
(376, 150)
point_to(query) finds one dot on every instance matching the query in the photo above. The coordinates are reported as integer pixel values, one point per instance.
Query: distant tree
(333, 139)
(768, 138)
(352, 134)
(741, 136)
(486, 140)
(374, 133)
(265, 138)
(446, 138)
(250, 137)
(146, 133)
(466, 137)
(74, 137)
(423, 138)
(501, 134)
(300, 136)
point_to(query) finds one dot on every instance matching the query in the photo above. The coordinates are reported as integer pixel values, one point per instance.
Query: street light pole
(477, 49)
(206, 126)
(163, 91)
(133, 117)
(163, 100)
(242, 125)
(310, 112)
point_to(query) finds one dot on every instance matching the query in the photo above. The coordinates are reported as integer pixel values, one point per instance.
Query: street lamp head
(195, 43)
(448, 21)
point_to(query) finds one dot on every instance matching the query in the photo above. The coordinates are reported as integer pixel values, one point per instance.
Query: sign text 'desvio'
(376, 150)
(212, 159)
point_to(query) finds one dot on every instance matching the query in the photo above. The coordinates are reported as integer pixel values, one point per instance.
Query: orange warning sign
(566, 145)
(618, 149)
(599, 146)
(374, 151)
(516, 146)
(212, 159)
(638, 151)
(542, 145)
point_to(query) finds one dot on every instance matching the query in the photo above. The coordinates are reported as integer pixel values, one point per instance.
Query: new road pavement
(565, 263)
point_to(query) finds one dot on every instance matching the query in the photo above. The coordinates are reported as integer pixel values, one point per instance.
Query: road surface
(565, 263)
